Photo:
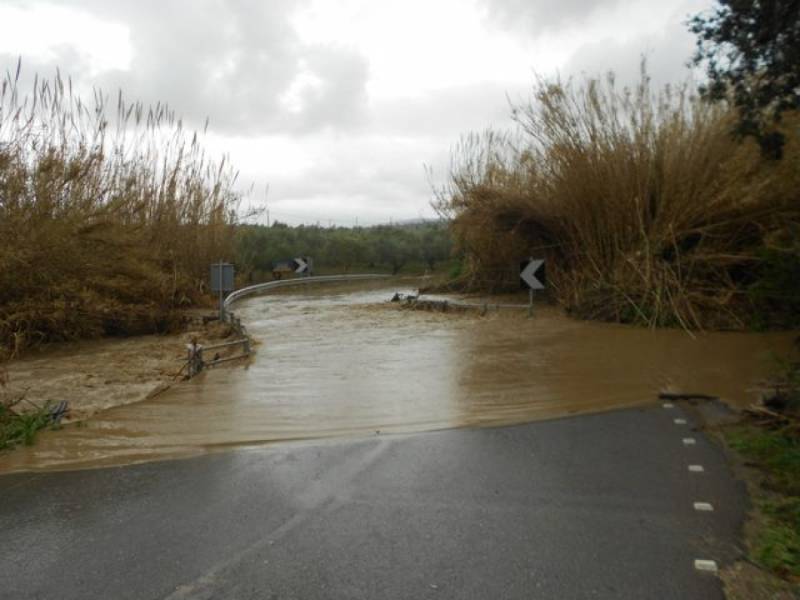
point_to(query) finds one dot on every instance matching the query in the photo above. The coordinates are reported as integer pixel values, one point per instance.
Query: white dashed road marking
(668, 405)
(696, 468)
(703, 507)
(705, 565)
(680, 421)
(689, 441)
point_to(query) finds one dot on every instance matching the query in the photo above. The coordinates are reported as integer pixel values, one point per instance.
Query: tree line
(420, 246)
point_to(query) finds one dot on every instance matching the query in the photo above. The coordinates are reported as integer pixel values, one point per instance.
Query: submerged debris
(412, 302)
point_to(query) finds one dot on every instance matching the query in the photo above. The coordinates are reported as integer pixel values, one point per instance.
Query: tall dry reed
(109, 215)
(645, 206)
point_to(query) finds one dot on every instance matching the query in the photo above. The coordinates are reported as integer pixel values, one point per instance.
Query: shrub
(109, 218)
(644, 206)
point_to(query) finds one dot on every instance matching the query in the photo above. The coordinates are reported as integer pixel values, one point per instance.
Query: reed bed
(645, 207)
(110, 214)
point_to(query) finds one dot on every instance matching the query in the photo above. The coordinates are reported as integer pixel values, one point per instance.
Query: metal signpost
(222, 281)
(530, 274)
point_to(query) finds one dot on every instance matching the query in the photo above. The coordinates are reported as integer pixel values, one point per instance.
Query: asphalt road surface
(597, 506)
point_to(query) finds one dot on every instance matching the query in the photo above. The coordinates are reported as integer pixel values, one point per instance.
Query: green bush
(21, 428)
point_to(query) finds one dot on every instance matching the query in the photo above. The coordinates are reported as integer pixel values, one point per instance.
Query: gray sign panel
(226, 277)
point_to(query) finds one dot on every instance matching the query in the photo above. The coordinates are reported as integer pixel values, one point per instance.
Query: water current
(341, 360)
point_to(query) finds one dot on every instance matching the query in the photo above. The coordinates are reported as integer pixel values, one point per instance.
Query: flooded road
(341, 361)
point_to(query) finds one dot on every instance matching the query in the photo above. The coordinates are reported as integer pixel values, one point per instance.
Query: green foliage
(751, 50)
(341, 249)
(777, 546)
(457, 270)
(777, 541)
(789, 374)
(776, 291)
(779, 453)
(20, 428)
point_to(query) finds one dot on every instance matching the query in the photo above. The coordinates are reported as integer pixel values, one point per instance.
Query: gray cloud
(229, 60)
(340, 97)
(241, 64)
(535, 16)
(448, 112)
(665, 54)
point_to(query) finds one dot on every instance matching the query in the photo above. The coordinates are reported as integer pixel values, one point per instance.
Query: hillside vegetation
(645, 207)
(109, 215)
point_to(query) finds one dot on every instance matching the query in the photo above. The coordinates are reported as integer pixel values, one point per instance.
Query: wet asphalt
(597, 506)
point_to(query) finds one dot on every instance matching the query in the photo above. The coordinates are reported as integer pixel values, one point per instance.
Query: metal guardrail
(197, 363)
(195, 360)
(263, 287)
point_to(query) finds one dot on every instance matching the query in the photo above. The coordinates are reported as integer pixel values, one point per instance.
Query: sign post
(222, 281)
(528, 273)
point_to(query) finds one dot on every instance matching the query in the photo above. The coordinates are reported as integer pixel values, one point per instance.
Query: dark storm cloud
(229, 60)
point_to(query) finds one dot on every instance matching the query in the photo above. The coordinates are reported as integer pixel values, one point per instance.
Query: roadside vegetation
(645, 207)
(771, 444)
(20, 428)
(776, 544)
(110, 213)
(16, 426)
(671, 207)
(765, 442)
(414, 248)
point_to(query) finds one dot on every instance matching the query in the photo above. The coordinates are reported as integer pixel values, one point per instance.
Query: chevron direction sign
(301, 265)
(530, 271)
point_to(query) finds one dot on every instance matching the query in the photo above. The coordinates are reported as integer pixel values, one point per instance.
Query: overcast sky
(339, 104)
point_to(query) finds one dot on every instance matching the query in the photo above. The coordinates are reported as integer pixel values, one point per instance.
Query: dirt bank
(100, 374)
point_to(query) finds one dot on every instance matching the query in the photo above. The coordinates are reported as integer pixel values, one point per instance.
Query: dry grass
(644, 205)
(108, 218)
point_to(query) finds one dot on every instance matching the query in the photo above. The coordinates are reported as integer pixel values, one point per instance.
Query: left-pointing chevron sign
(529, 274)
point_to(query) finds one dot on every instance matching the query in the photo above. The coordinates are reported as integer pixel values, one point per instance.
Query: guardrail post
(194, 358)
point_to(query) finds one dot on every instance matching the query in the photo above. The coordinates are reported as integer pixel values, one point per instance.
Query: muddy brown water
(342, 361)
